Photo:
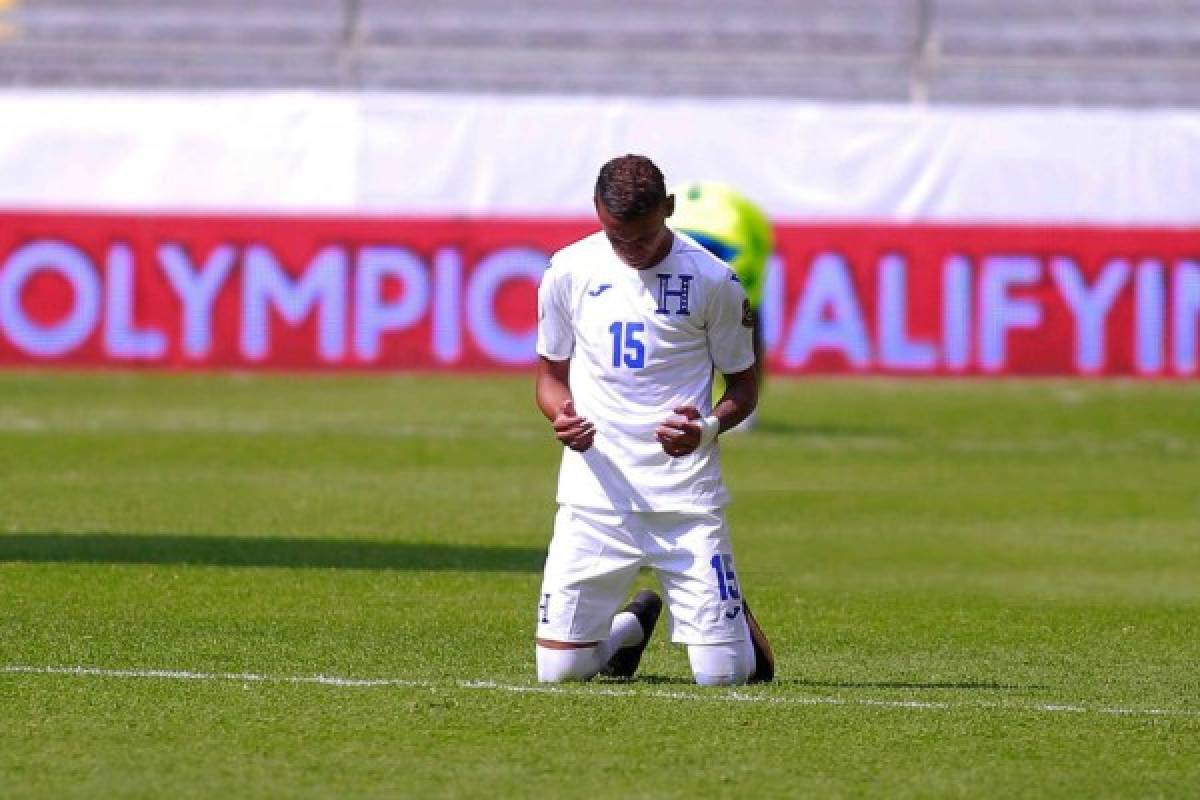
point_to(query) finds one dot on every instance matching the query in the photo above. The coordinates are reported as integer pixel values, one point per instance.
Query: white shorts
(595, 556)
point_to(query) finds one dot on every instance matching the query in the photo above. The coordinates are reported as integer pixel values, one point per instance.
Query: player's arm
(686, 429)
(555, 344)
(553, 391)
(731, 346)
(739, 400)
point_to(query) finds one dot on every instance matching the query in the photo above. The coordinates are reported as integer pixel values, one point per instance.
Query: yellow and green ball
(729, 226)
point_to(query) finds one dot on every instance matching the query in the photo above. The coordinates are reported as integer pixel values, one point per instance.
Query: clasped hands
(679, 434)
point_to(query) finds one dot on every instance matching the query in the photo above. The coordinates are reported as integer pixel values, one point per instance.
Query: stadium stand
(1080, 52)
(1116, 52)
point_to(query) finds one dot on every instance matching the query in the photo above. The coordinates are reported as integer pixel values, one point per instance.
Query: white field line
(728, 696)
(187, 675)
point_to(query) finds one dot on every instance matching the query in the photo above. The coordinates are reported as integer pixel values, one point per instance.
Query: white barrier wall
(537, 156)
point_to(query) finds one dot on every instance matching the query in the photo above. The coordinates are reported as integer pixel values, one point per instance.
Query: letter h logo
(665, 291)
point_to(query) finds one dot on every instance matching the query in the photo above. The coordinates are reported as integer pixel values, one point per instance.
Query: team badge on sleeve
(747, 314)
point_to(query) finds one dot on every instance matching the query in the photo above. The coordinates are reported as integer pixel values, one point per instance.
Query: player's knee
(721, 664)
(559, 666)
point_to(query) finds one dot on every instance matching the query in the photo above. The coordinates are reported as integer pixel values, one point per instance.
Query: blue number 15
(627, 347)
(726, 578)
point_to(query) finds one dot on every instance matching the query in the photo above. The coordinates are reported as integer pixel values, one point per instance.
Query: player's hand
(680, 434)
(573, 430)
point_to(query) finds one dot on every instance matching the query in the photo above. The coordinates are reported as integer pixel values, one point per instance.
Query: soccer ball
(730, 227)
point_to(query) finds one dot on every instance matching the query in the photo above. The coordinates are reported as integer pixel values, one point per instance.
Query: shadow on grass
(248, 551)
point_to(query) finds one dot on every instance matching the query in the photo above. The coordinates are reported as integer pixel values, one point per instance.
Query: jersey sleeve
(730, 327)
(555, 333)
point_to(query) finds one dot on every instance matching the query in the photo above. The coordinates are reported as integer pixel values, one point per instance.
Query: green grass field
(977, 589)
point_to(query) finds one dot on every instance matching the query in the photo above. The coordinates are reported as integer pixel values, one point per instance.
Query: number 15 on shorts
(722, 564)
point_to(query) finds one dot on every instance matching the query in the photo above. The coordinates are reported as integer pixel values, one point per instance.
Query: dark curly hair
(630, 186)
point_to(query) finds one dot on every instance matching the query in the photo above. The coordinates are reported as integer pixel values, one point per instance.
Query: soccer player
(632, 321)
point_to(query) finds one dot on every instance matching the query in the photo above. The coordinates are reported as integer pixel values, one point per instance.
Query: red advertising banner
(316, 292)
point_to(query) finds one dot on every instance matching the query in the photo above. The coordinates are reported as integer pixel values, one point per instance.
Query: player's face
(641, 242)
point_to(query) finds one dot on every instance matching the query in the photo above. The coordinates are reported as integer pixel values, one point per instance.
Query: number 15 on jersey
(628, 345)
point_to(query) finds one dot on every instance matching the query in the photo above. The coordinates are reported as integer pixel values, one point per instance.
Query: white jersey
(641, 343)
